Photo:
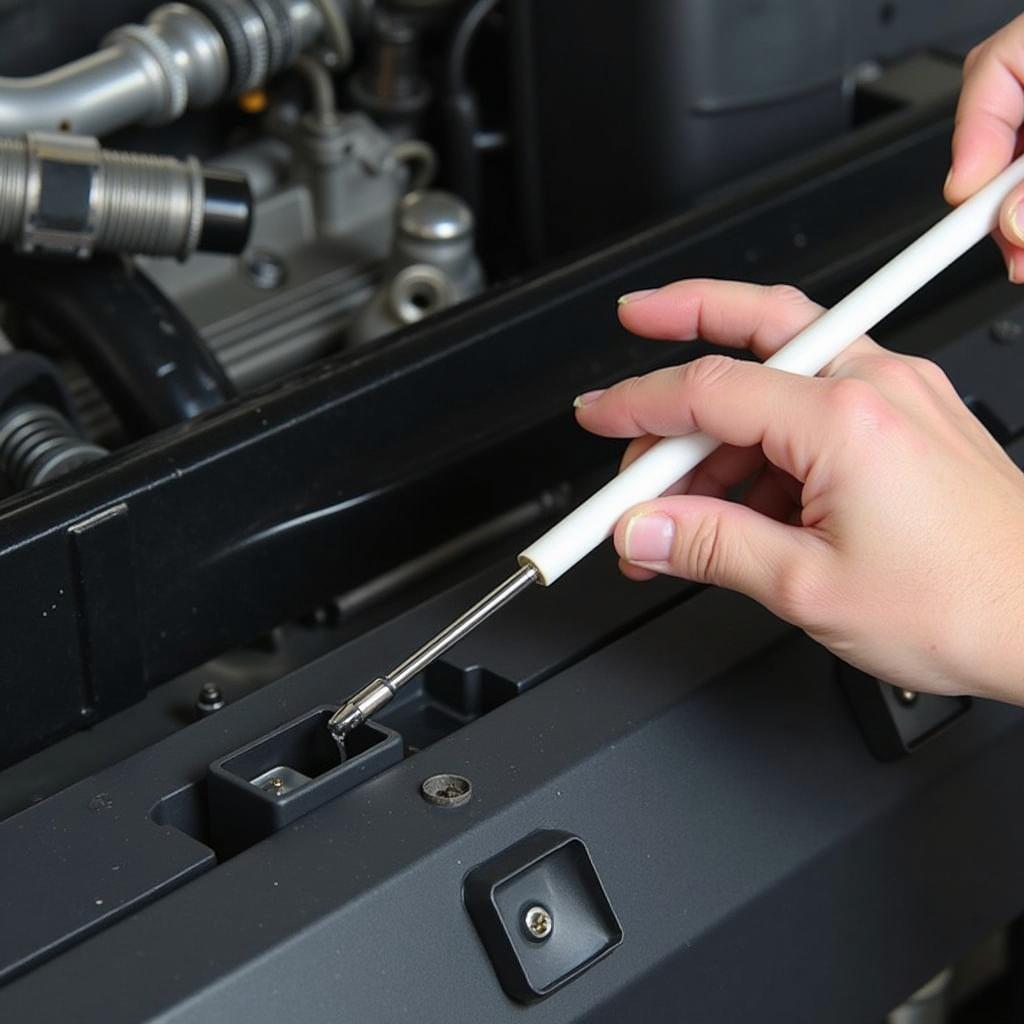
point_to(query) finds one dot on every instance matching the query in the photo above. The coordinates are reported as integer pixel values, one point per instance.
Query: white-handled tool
(660, 467)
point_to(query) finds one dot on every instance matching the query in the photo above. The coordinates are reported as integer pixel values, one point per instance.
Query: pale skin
(879, 515)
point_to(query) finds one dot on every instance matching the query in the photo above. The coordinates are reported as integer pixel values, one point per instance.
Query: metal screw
(275, 785)
(447, 790)
(266, 271)
(905, 697)
(538, 923)
(1006, 331)
(210, 699)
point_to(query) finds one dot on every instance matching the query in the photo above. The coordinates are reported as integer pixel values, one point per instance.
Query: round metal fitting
(538, 923)
(266, 271)
(446, 790)
(198, 48)
(418, 291)
(905, 697)
(173, 77)
(434, 216)
(210, 699)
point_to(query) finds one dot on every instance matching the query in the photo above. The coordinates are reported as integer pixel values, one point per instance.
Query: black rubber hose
(144, 355)
(459, 106)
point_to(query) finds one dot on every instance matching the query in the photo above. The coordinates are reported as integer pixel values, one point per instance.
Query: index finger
(737, 314)
(989, 114)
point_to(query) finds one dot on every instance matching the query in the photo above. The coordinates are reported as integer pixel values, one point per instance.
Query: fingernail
(586, 398)
(949, 178)
(649, 538)
(636, 296)
(1011, 267)
(1015, 223)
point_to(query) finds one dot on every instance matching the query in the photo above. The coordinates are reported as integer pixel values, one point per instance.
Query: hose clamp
(61, 194)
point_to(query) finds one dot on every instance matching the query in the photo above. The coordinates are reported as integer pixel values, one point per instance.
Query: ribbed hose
(13, 177)
(152, 204)
(65, 194)
(37, 444)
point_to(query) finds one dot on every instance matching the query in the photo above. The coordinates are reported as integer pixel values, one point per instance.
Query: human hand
(987, 136)
(881, 517)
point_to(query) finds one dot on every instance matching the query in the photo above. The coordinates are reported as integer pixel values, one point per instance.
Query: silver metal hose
(183, 56)
(65, 194)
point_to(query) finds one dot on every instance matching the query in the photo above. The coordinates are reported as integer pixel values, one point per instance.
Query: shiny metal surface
(131, 202)
(148, 73)
(434, 216)
(358, 708)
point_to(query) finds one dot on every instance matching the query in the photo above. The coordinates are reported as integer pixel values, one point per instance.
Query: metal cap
(434, 216)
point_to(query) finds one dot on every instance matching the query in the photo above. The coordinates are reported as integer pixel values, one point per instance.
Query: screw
(1006, 331)
(538, 923)
(446, 790)
(266, 271)
(210, 699)
(905, 697)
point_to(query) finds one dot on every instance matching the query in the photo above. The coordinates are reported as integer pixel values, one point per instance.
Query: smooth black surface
(146, 358)
(227, 212)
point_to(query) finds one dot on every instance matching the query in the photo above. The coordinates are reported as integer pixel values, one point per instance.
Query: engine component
(38, 440)
(326, 190)
(183, 56)
(147, 360)
(64, 194)
(389, 86)
(37, 445)
(433, 265)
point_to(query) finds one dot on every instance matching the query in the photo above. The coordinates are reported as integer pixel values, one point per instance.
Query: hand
(880, 516)
(988, 133)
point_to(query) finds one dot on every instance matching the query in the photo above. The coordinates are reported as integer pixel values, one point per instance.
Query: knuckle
(702, 555)
(787, 294)
(857, 404)
(931, 373)
(706, 371)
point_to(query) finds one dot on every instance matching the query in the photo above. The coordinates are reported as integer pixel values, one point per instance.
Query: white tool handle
(810, 351)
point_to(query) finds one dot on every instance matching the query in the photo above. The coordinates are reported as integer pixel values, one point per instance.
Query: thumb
(1011, 217)
(709, 540)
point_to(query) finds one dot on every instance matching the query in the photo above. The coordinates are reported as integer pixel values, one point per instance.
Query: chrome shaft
(359, 707)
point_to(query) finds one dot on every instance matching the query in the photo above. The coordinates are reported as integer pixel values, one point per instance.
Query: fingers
(721, 543)
(756, 317)
(989, 114)
(739, 403)
(1010, 236)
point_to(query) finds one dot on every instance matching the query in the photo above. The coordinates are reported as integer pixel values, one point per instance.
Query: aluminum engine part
(181, 57)
(432, 266)
(64, 194)
(322, 228)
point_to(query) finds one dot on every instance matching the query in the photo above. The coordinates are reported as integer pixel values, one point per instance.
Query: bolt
(1006, 331)
(210, 699)
(538, 923)
(905, 697)
(446, 790)
(266, 271)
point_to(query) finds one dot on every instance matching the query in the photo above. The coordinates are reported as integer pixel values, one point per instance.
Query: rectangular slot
(444, 698)
(270, 783)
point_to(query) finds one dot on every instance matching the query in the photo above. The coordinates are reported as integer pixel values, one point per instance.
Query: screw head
(446, 790)
(210, 699)
(538, 922)
(266, 271)
(905, 697)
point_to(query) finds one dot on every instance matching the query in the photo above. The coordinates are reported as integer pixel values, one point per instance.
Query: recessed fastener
(446, 790)
(538, 923)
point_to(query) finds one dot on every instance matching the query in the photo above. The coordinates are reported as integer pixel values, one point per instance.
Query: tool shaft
(371, 698)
